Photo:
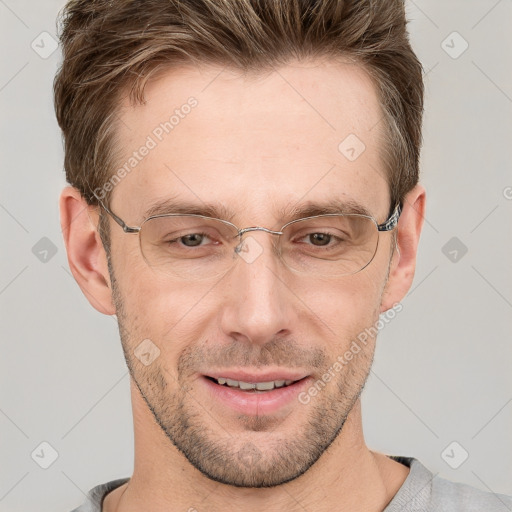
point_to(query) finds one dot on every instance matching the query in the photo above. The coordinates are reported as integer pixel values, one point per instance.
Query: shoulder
(463, 497)
(425, 491)
(97, 494)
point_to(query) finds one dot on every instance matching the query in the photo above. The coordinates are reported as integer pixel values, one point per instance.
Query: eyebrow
(289, 212)
(332, 206)
(179, 206)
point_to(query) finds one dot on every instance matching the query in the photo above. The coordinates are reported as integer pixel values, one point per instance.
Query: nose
(258, 303)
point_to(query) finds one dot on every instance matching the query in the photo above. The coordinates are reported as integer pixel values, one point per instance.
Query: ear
(86, 256)
(403, 262)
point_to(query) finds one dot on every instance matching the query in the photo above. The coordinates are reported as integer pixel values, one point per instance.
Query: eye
(192, 239)
(319, 239)
(189, 240)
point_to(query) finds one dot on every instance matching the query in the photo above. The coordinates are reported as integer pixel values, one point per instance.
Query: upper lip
(252, 377)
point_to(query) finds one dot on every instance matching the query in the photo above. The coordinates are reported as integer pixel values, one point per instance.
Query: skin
(255, 144)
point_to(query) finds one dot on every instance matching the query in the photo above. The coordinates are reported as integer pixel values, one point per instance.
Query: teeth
(264, 386)
(259, 386)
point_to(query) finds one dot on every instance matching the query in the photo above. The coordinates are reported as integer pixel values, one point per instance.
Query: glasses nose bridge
(251, 250)
(242, 232)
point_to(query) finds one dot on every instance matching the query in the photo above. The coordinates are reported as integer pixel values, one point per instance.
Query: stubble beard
(256, 456)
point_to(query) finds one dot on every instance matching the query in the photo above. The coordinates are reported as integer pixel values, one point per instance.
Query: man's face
(256, 146)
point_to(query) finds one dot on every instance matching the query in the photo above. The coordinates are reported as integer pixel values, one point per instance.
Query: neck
(347, 477)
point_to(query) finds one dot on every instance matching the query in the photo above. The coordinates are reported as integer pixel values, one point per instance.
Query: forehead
(303, 131)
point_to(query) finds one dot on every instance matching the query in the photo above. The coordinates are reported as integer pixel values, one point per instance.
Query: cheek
(149, 298)
(355, 296)
(335, 313)
(171, 313)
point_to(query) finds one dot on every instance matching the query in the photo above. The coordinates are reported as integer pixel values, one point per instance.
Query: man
(244, 198)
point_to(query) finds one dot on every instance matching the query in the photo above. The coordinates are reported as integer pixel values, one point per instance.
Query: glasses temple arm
(392, 221)
(121, 222)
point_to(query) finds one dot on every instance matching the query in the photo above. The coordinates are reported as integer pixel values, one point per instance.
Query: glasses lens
(195, 247)
(330, 245)
(187, 245)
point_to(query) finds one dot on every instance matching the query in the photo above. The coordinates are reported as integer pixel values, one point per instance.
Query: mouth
(255, 387)
(253, 394)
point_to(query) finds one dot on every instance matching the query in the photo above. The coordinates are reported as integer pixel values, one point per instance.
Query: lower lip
(256, 403)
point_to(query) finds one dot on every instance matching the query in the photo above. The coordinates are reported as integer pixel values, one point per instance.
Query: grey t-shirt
(421, 491)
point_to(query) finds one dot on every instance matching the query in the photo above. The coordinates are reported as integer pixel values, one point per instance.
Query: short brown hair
(112, 47)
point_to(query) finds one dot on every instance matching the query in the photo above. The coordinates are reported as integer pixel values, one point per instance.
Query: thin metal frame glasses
(329, 245)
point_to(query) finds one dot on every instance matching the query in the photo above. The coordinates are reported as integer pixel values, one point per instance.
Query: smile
(253, 386)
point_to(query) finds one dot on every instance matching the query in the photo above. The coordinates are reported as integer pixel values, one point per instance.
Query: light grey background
(442, 367)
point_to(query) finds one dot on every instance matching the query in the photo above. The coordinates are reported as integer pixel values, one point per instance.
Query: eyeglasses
(198, 247)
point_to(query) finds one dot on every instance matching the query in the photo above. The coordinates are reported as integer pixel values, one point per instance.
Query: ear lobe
(86, 256)
(403, 264)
